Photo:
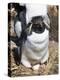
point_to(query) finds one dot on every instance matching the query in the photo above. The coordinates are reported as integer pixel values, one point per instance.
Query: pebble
(36, 67)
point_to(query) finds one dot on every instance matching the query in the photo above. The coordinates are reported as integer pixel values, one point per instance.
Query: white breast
(36, 46)
(18, 28)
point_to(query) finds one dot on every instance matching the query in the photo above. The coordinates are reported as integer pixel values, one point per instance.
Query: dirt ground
(51, 67)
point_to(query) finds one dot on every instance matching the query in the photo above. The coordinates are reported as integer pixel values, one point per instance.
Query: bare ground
(51, 67)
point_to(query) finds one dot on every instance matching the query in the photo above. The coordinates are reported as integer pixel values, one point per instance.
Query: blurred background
(53, 64)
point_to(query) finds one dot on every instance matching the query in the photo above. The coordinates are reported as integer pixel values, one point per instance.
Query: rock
(36, 67)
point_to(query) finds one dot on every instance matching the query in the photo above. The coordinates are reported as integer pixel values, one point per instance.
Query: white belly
(36, 47)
